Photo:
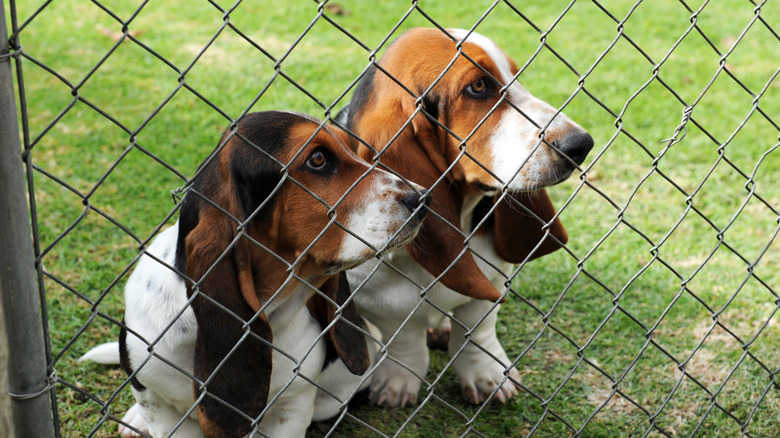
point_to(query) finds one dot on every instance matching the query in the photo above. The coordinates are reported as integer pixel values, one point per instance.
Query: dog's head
(267, 213)
(479, 132)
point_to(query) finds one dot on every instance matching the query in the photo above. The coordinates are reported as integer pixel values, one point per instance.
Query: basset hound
(444, 110)
(229, 310)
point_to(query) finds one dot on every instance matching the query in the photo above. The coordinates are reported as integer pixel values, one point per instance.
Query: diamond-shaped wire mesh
(659, 317)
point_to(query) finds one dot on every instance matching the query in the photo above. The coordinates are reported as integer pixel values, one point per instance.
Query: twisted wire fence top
(658, 318)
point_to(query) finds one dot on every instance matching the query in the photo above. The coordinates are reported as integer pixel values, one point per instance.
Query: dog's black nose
(575, 146)
(413, 201)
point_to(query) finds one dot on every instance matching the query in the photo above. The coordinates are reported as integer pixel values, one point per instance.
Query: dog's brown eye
(316, 160)
(478, 87)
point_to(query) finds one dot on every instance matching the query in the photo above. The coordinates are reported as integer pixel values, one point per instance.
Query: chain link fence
(658, 318)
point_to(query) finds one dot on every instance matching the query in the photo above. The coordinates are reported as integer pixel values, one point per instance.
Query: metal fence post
(28, 382)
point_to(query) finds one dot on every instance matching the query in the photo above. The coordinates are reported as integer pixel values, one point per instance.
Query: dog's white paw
(392, 385)
(479, 379)
(134, 418)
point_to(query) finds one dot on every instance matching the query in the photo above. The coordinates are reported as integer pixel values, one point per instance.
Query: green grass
(647, 273)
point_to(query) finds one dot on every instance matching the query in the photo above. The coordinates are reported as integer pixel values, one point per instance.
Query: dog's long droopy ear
(350, 343)
(438, 246)
(519, 218)
(235, 370)
(232, 357)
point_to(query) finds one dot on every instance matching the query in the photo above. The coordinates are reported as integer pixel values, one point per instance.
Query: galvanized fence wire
(549, 406)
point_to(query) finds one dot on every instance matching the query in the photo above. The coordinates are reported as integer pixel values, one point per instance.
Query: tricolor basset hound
(225, 333)
(458, 123)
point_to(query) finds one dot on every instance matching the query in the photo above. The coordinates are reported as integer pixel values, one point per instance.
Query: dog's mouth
(406, 234)
(563, 176)
(552, 179)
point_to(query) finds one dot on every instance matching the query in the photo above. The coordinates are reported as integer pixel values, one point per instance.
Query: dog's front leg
(396, 380)
(479, 373)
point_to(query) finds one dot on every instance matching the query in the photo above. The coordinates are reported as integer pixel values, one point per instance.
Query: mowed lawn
(660, 318)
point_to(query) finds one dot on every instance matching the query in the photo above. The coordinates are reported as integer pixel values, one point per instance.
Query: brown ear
(438, 246)
(517, 232)
(349, 342)
(234, 365)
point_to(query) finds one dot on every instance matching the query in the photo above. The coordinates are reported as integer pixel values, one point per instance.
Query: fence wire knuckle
(659, 315)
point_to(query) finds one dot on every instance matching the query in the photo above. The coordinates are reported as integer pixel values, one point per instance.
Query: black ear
(234, 362)
(232, 358)
(239, 176)
(349, 342)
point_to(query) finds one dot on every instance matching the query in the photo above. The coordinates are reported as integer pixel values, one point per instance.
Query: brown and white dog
(486, 148)
(222, 332)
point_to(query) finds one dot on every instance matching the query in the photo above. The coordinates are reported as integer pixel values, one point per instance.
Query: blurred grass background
(668, 292)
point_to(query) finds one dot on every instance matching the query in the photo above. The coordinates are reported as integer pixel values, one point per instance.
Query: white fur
(107, 354)
(338, 385)
(375, 221)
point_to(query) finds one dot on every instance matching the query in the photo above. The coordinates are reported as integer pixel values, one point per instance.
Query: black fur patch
(431, 105)
(243, 378)
(480, 211)
(124, 358)
(363, 92)
(331, 355)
